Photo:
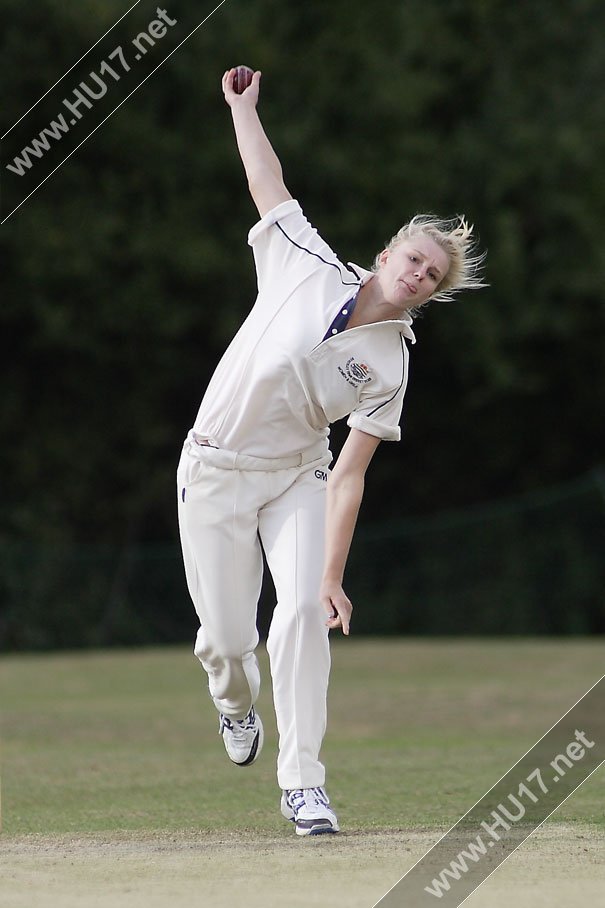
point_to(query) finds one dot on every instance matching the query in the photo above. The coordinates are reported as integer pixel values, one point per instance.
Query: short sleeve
(380, 416)
(287, 248)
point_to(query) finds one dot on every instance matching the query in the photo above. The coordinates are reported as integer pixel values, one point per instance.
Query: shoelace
(300, 796)
(239, 728)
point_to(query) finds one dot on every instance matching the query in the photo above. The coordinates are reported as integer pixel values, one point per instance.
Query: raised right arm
(262, 166)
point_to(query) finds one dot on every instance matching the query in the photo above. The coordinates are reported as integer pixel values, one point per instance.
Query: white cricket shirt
(279, 385)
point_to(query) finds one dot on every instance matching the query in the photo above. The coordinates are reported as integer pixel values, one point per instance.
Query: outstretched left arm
(345, 492)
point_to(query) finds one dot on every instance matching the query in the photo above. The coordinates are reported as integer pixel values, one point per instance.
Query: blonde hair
(455, 237)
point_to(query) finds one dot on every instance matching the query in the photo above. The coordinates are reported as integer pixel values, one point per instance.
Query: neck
(373, 307)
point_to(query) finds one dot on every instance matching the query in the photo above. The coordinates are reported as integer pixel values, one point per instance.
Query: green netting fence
(530, 565)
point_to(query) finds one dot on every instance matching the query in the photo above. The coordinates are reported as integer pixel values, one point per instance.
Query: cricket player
(324, 340)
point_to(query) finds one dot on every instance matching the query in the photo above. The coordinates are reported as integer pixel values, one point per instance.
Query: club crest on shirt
(355, 373)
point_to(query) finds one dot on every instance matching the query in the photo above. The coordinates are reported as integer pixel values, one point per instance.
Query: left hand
(337, 605)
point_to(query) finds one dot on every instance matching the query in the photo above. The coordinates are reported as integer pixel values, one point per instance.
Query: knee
(306, 614)
(216, 651)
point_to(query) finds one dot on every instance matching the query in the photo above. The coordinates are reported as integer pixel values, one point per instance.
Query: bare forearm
(345, 491)
(342, 508)
(257, 154)
(263, 170)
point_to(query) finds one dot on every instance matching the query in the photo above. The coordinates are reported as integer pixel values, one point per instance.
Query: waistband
(232, 460)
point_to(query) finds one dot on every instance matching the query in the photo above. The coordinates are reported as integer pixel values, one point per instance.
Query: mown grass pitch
(418, 730)
(111, 748)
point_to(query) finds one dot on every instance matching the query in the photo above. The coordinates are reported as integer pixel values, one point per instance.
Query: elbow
(262, 176)
(349, 483)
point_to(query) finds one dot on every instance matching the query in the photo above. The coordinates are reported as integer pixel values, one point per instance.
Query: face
(411, 272)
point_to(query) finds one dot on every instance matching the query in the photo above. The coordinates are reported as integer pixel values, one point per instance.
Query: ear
(382, 258)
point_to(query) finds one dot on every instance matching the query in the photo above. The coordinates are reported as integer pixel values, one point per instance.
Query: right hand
(248, 96)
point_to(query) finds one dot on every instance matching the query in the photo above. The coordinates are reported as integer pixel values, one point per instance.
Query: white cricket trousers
(227, 502)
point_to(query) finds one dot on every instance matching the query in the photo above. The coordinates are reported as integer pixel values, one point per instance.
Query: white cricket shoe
(310, 811)
(243, 738)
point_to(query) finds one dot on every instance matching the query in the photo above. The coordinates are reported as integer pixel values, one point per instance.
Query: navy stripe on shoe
(253, 750)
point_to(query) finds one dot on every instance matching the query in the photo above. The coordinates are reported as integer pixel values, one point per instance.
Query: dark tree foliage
(125, 276)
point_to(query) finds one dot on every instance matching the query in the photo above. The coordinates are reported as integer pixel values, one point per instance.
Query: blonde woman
(323, 340)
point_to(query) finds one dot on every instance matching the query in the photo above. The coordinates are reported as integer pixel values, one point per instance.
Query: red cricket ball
(242, 78)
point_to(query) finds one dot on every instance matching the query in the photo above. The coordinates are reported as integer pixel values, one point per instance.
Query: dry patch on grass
(560, 866)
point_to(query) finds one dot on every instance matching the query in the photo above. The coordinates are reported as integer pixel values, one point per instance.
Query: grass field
(116, 790)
